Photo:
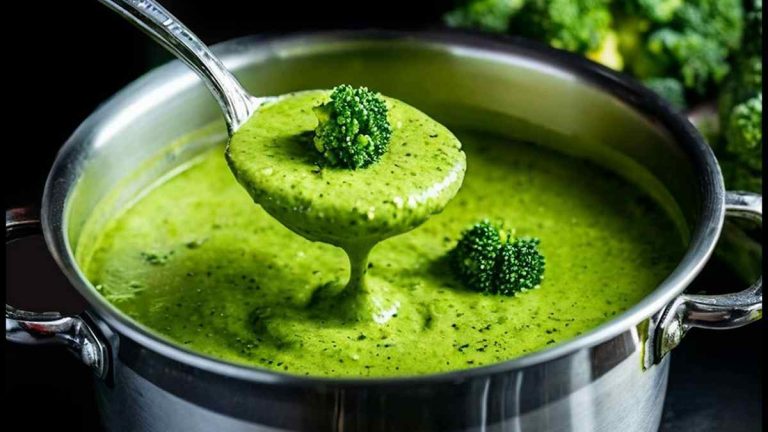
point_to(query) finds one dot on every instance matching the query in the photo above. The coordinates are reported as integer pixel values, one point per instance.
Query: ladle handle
(153, 19)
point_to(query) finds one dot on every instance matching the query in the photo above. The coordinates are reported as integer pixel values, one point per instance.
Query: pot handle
(719, 312)
(39, 328)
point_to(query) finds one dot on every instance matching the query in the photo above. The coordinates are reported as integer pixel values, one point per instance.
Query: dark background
(74, 55)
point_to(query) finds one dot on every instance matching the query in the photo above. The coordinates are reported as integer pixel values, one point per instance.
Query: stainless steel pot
(610, 379)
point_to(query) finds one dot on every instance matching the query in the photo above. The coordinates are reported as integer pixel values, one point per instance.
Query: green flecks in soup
(197, 262)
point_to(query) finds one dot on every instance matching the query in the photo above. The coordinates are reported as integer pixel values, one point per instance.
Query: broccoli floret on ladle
(353, 130)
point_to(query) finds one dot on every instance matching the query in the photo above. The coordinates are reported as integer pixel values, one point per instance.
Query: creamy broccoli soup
(196, 261)
(418, 171)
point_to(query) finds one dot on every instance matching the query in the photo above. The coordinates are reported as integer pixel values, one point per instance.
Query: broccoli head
(474, 256)
(740, 105)
(670, 89)
(743, 83)
(657, 11)
(746, 78)
(353, 130)
(519, 266)
(699, 60)
(690, 41)
(744, 133)
(573, 25)
(721, 20)
(488, 260)
(488, 15)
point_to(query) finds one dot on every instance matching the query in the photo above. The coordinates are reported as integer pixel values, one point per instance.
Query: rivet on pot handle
(721, 312)
(38, 328)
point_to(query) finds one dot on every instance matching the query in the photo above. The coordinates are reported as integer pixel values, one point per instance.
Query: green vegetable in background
(740, 144)
(744, 132)
(574, 25)
(658, 11)
(686, 40)
(688, 51)
(488, 15)
(670, 89)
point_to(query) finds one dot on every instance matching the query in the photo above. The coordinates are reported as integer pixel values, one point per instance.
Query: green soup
(196, 261)
(273, 157)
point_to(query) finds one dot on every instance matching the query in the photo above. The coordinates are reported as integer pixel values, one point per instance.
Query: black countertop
(715, 382)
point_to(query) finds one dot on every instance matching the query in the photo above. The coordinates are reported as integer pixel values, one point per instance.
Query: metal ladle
(235, 102)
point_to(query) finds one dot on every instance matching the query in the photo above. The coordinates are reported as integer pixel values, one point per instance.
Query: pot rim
(703, 239)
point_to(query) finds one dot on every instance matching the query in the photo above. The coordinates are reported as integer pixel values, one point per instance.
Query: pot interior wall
(503, 93)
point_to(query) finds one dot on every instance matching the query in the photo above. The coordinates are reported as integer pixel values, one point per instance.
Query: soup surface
(196, 261)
